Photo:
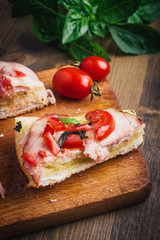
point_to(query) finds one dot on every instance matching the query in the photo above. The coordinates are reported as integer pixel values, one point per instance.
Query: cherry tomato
(97, 67)
(104, 123)
(72, 82)
(73, 141)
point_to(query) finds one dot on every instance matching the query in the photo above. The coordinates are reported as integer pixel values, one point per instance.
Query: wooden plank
(117, 183)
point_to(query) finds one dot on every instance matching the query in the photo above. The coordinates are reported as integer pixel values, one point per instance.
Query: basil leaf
(43, 28)
(98, 28)
(88, 6)
(149, 10)
(76, 25)
(116, 11)
(135, 18)
(18, 126)
(70, 4)
(69, 120)
(44, 7)
(64, 136)
(83, 48)
(136, 38)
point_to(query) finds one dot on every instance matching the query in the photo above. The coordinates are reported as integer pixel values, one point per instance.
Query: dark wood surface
(136, 82)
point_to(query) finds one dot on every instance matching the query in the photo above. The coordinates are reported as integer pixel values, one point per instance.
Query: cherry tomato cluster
(77, 83)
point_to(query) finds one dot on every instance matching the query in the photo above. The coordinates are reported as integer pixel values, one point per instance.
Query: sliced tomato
(104, 131)
(72, 127)
(57, 124)
(29, 158)
(98, 115)
(89, 115)
(73, 141)
(48, 128)
(51, 143)
(104, 123)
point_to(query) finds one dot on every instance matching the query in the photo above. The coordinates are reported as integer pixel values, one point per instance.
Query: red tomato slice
(48, 128)
(73, 141)
(98, 115)
(104, 123)
(53, 146)
(30, 159)
(73, 127)
(57, 124)
(89, 116)
(104, 131)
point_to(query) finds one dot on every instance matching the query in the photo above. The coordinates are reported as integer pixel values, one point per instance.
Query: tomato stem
(76, 64)
(95, 90)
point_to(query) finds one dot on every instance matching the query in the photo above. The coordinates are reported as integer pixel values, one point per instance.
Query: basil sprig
(77, 27)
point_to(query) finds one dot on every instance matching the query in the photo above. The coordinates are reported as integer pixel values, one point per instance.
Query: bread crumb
(1, 135)
(53, 200)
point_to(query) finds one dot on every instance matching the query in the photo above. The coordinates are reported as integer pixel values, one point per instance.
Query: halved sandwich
(21, 90)
(53, 147)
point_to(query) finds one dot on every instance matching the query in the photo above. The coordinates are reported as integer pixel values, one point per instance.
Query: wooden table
(136, 82)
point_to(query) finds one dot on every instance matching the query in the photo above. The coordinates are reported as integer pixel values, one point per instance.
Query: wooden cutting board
(117, 183)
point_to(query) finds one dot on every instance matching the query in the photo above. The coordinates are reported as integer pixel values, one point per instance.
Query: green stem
(51, 10)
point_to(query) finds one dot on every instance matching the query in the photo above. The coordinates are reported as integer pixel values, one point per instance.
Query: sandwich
(53, 147)
(21, 90)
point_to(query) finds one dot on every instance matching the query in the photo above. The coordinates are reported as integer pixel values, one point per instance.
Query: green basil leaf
(116, 11)
(83, 48)
(135, 18)
(70, 4)
(76, 25)
(18, 126)
(98, 28)
(88, 6)
(136, 38)
(43, 28)
(150, 10)
(69, 120)
(44, 7)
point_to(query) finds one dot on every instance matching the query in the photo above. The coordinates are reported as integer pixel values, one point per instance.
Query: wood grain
(140, 221)
(114, 184)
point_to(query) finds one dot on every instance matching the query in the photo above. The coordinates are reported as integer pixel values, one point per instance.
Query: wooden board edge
(75, 214)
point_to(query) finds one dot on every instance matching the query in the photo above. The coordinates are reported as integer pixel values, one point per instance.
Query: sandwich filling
(52, 148)
(20, 88)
